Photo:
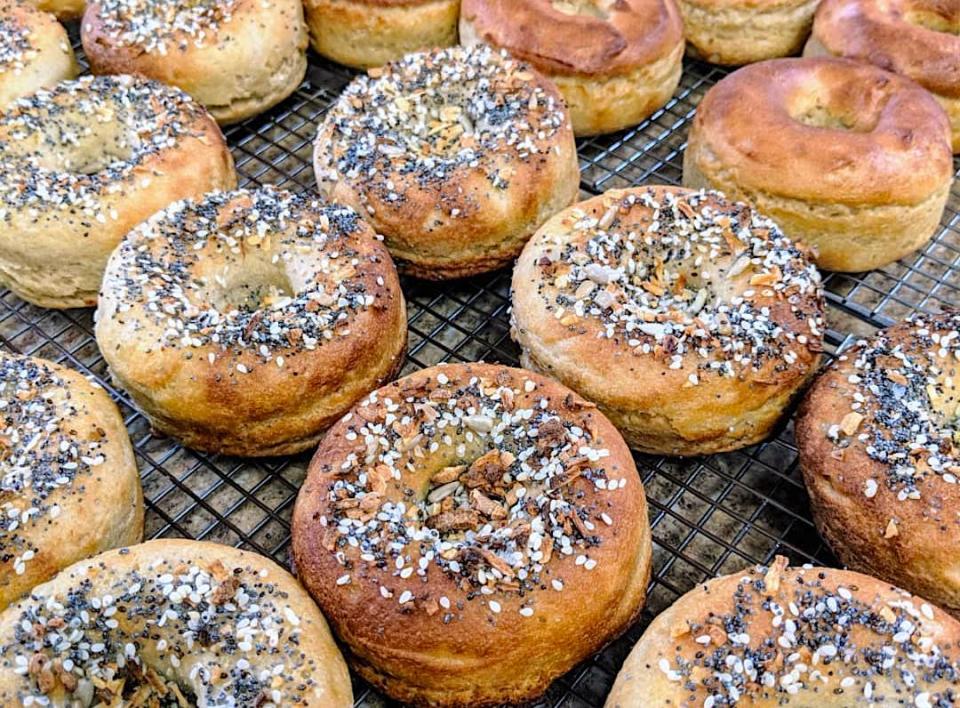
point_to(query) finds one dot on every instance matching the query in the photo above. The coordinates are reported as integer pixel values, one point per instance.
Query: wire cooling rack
(710, 516)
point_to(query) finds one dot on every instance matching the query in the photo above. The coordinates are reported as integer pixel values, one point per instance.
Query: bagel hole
(256, 284)
(817, 108)
(88, 150)
(583, 8)
(934, 19)
(468, 493)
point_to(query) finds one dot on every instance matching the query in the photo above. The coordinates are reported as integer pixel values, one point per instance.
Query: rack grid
(710, 515)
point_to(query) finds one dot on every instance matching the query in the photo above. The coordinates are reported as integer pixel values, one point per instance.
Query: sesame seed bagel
(880, 453)
(692, 321)
(34, 51)
(615, 63)
(869, 156)
(170, 623)
(455, 156)
(249, 321)
(83, 163)
(64, 452)
(367, 33)
(489, 519)
(236, 57)
(783, 636)
(735, 32)
(917, 38)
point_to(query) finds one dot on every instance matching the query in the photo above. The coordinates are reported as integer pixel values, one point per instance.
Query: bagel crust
(615, 63)
(171, 622)
(735, 32)
(869, 158)
(368, 33)
(917, 38)
(236, 57)
(485, 516)
(69, 486)
(35, 51)
(783, 636)
(455, 156)
(65, 10)
(690, 320)
(81, 165)
(878, 449)
(249, 321)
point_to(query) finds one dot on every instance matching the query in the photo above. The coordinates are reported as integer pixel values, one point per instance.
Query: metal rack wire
(710, 516)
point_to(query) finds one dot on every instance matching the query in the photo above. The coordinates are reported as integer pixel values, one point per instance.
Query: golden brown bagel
(878, 449)
(69, 486)
(82, 164)
(917, 38)
(64, 10)
(735, 32)
(614, 61)
(366, 33)
(386, 526)
(784, 636)
(845, 157)
(690, 320)
(236, 57)
(171, 622)
(249, 321)
(34, 51)
(455, 156)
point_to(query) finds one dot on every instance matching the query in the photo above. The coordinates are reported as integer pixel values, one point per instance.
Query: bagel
(917, 38)
(368, 33)
(236, 57)
(793, 636)
(880, 457)
(64, 10)
(170, 622)
(484, 516)
(689, 319)
(455, 156)
(83, 163)
(249, 321)
(34, 51)
(735, 32)
(869, 157)
(64, 450)
(615, 63)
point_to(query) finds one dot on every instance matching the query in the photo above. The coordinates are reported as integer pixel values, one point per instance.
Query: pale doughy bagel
(249, 321)
(366, 33)
(81, 164)
(171, 623)
(35, 52)
(236, 57)
(734, 32)
(472, 532)
(880, 453)
(917, 38)
(689, 319)
(614, 61)
(845, 157)
(784, 636)
(455, 156)
(69, 486)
